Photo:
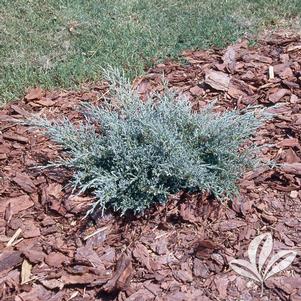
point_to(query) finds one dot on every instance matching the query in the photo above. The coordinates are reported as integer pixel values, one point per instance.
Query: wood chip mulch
(176, 252)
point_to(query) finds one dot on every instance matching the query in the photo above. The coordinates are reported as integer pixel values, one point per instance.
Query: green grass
(56, 43)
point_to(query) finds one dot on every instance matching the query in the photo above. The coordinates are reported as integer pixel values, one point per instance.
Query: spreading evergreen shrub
(133, 154)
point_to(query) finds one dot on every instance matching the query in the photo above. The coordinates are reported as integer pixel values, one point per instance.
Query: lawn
(58, 43)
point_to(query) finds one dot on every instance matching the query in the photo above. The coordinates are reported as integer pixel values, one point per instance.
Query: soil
(180, 251)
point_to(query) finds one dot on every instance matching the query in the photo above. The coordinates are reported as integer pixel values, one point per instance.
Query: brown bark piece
(35, 93)
(217, 80)
(122, 275)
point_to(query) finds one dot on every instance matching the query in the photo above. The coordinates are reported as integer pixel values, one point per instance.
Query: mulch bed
(175, 252)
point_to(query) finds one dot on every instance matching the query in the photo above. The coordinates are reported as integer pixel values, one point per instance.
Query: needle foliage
(134, 154)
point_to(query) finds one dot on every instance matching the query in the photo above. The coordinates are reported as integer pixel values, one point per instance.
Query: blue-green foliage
(145, 151)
